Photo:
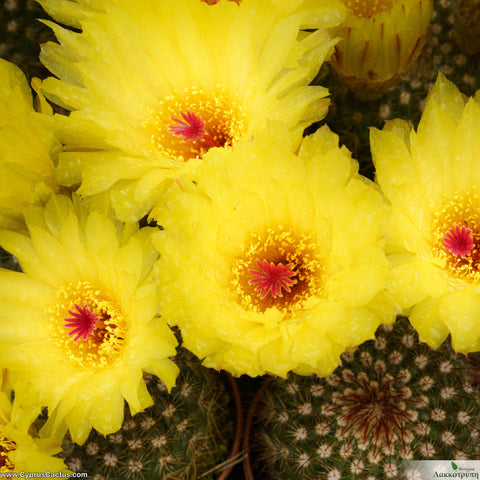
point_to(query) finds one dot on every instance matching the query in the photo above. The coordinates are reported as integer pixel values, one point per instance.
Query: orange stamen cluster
(185, 125)
(280, 269)
(455, 234)
(91, 316)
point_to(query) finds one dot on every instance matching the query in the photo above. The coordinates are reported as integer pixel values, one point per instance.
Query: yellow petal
(426, 320)
(460, 312)
(107, 412)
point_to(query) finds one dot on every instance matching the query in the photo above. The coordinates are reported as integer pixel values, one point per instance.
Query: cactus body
(185, 435)
(394, 398)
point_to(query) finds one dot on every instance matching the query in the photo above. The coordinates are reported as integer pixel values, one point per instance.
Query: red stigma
(190, 128)
(83, 322)
(272, 278)
(459, 241)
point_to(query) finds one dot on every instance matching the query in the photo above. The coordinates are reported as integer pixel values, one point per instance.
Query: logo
(438, 469)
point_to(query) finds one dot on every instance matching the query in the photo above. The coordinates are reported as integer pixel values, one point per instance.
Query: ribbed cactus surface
(185, 435)
(393, 398)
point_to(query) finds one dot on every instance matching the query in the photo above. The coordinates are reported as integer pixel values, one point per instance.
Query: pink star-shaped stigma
(272, 278)
(459, 241)
(83, 322)
(190, 128)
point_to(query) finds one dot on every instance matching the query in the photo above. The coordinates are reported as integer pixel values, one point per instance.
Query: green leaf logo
(454, 466)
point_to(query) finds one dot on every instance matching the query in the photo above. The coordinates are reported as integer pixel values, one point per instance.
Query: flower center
(367, 8)
(192, 128)
(6, 446)
(272, 278)
(83, 312)
(459, 241)
(279, 269)
(374, 411)
(455, 234)
(83, 322)
(187, 124)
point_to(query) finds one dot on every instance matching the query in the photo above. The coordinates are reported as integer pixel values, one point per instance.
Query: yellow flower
(154, 85)
(19, 451)
(80, 326)
(274, 262)
(27, 149)
(314, 14)
(380, 39)
(432, 178)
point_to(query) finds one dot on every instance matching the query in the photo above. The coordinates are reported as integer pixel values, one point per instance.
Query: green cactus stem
(186, 435)
(393, 398)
